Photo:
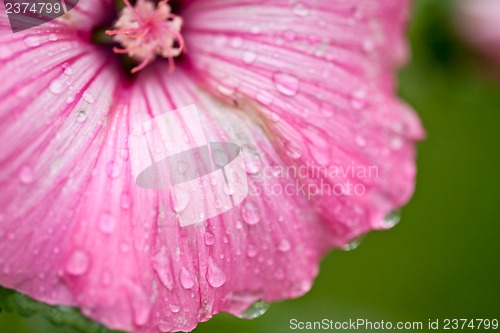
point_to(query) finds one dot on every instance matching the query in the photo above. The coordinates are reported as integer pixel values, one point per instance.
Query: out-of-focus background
(443, 259)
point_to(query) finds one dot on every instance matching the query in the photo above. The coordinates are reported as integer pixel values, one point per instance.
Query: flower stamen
(146, 32)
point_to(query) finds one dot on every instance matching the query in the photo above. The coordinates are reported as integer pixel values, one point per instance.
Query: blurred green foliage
(442, 260)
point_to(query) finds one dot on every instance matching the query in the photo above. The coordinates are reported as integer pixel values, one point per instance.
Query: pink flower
(306, 85)
(478, 22)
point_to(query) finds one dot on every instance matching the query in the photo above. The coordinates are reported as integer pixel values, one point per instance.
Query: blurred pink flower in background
(309, 85)
(478, 22)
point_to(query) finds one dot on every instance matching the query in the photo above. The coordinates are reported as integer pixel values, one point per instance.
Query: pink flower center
(146, 31)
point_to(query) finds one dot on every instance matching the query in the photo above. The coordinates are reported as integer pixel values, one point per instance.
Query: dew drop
(186, 279)
(220, 157)
(174, 308)
(52, 37)
(88, 97)
(225, 90)
(252, 161)
(107, 223)
(81, 116)
(252, 251)
(357, 104)
(360, 141)
(250, 213)
(125, 200)
(284, 245)
(229, 189)
(78, 263)
(113, 170)
(56, 87)
(209, 238)
(255, 30)
(68, 70)
(237, 42)
(279, 274)
(397, 143)
(300, 9)
(353, 245)
(179, 200)
(249, 57)
(26, 175)
(368, 46)
(301, 287)
(286, 84)
(215, 276)
(392, 219)
(255, 310)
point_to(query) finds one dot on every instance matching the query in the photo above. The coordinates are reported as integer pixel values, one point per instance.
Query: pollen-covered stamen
(147, 31)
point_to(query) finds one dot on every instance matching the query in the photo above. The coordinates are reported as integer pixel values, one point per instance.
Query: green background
(442, 260)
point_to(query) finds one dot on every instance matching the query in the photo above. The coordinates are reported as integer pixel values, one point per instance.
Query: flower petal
(116, 250)
(319, 76)
(477, 21)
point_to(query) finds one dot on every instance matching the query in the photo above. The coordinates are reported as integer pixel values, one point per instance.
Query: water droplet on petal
(249, 57)
(179, 200)
(26, 175)
(106, 279)
(360, 141)
(209, 238)
(279, 274)
(88, 97)
(358, 100)
(397, 143)
(113, 170)
(174, 308)
(56, 87)
(255, 310)
(52, 37)
(301, 287)
(392, 219)
(286, 84)
(107, 223)
(225, 90)
(125, 200)
(284, 245)
(32, 41)
(82, 114)
(255, 30)
(68, 70)
(229, 189)
(300, 9)
(252, 161)
(78, 263)
(353, 245)
(250, 213)
(252, 251)
(186, 279)
(215, 276)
